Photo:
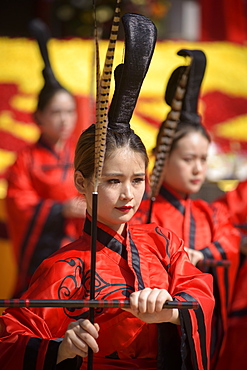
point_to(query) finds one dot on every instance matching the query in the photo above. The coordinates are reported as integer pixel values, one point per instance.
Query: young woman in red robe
(44, 210)
(145, 264)
(207, 232)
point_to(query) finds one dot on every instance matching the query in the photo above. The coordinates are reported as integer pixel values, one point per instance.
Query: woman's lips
(124, 209)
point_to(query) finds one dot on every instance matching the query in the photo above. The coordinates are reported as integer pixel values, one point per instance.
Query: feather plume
(166, 133)
(102, 99)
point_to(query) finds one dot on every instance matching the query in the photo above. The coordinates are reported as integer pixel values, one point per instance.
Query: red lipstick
(124, 209)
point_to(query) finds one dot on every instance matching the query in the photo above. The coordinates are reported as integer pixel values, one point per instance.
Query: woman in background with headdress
(181, 162)
(144, 263)
(44, 211)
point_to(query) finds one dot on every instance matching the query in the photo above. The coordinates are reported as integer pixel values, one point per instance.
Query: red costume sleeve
(187, 283)
(208, 229)
(155, 258)
(234, 202)
(38, 184)
(224, 246)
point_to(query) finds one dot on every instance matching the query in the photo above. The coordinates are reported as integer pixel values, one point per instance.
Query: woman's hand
(79, 336)
(194, 256)
(147, 305)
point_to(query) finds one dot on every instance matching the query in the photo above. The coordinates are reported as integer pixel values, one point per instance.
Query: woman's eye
(113, 181)
(188, 160)
(138, 179)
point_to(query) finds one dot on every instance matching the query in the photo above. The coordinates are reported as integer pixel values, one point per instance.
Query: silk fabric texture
(205, 228)
(148, 257)
(38, 183)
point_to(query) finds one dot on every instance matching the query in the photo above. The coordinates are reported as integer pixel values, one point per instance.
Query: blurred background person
(44, 210)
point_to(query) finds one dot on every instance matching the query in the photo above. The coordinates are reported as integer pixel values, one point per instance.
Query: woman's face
(185, 169)
(58, 119)
(120, 189)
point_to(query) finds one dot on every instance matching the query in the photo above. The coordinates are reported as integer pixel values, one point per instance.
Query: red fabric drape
(224, 20)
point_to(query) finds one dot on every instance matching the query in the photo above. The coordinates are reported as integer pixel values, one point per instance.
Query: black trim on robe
(107, 240)
(136, 263)
(201, 326)
(172, 199)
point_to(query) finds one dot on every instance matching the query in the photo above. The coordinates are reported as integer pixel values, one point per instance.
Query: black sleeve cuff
(70, 364)
(51, 358)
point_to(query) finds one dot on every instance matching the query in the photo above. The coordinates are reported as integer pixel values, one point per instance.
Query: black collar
(107, 239)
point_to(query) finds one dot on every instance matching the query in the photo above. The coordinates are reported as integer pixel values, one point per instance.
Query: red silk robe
(38, 183)
(202, 228)
(148, 257)
(234, 354)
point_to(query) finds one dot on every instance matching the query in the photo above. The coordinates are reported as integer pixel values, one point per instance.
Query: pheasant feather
(166, 133)
(102, 100)
(165, 137)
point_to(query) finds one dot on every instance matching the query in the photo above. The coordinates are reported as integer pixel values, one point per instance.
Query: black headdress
(189, 112)
(140, 38)
(181, 95)
(40, 32)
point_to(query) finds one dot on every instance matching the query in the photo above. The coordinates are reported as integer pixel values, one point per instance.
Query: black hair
(84, 153)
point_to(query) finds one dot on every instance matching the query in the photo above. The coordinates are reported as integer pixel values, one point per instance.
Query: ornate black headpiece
(181, 95)
(140, 38)
(40, 32)
(189, 111)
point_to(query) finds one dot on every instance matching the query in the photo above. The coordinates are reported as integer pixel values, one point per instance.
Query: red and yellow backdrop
(223, 100)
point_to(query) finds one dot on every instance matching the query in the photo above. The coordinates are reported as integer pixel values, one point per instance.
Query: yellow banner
(222, 103)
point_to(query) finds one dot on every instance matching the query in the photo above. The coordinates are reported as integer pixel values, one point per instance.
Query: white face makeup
(120, 190)
(186, 166)
(57, 121)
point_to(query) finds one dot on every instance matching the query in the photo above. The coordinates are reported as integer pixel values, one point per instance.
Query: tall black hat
(189, 111)
(41, 33)
(182, 93)
(140, 38)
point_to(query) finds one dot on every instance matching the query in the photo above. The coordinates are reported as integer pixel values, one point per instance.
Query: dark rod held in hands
(210, 262)
(87, 303)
